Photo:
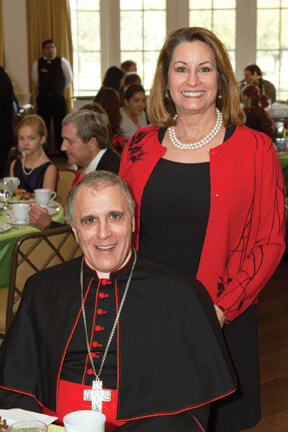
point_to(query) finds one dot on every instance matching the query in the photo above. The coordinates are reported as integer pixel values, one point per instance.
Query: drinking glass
(6, 192)
(28, 426)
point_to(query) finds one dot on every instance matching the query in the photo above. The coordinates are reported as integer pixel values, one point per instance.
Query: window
(141, 30)
(142, 33)
(218, 16)
(272, 43)
(85, 23)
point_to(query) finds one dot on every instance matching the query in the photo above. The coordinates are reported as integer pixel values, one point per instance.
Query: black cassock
(172, 359)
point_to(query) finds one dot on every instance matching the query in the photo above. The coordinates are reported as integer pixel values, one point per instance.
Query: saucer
(52, 211)
(12, 221)
(5, 227)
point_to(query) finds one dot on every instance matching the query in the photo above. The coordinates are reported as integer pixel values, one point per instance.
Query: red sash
(70, 398)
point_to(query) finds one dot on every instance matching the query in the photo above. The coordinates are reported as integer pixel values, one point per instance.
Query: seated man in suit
(114, 320)
(86, 141)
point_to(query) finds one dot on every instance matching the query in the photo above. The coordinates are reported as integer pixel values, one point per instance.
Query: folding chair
(32, 253)
(66, 177)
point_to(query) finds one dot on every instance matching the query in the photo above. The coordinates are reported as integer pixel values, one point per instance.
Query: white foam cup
(84, 421)
(20, 212)
(14, 180)
(44, 196)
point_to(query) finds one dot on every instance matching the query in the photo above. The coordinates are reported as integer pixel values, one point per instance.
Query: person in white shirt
(86, 141)
(51, 74)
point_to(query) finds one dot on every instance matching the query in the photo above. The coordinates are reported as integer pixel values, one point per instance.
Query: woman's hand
(220, 315)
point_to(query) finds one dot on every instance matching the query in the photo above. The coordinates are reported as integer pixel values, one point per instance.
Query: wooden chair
(32, 253)
(286, 214)
(66, 177)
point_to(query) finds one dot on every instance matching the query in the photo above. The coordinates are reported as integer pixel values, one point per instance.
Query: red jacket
(245, 237)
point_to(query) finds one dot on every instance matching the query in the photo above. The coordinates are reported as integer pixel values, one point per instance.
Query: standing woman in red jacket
(209, 199)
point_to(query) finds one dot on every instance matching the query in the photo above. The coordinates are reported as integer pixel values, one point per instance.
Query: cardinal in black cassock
(167, 358)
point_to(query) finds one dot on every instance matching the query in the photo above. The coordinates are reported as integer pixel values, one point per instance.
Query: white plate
(15, 415)
(13, 222)
(52, 211)
(13, 201)
(5, 227)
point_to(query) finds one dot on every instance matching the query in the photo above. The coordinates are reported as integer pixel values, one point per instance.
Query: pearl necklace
(35, 166)
(174, 140)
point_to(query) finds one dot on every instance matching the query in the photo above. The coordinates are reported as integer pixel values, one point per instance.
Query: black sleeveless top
(174, 212)
(32, 181)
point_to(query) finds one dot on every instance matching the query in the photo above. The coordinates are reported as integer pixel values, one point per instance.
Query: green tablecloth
(283, 158)
(8, 239)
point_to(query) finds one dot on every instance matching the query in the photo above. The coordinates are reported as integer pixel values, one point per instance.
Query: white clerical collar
(49, 58)
(94, 163)
(107, 275)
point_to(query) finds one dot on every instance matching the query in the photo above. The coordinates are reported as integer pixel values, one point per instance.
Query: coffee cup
(20, 212)
(44, 196)
(14, 180)
(84, 421)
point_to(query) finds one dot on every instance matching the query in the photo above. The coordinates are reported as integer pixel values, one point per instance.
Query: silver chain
(115, 322)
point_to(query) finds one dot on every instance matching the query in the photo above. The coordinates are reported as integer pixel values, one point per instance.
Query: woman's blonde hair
(162, 108)
(34, 121)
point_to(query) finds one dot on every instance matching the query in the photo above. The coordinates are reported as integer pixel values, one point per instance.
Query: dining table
(10, 232)
(283, 158)
(16, 415)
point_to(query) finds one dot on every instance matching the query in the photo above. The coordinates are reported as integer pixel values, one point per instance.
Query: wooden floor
(273, 347)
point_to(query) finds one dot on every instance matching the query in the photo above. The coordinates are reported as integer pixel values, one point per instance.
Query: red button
(96, 344)
(215, 195)
(105, 282)
(99, 328)
(94, 355)
(100, 311)
(102, 295)
(90, 372)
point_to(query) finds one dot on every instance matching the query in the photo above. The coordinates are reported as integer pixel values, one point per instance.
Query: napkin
(15, 415)
(278, 105)
(55, 428)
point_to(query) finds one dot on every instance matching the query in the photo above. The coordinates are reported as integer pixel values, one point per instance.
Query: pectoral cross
(97, 395)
